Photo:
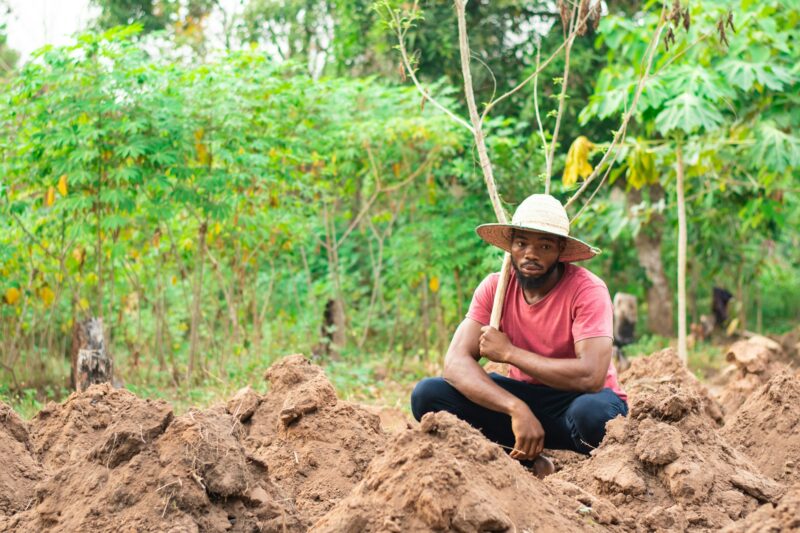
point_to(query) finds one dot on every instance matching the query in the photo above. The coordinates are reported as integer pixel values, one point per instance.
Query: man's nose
(530, 252)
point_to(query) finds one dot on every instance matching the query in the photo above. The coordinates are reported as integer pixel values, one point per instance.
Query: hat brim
(500, 235)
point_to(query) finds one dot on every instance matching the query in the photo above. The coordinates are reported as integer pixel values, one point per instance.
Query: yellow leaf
(47, 295)
(11, 297)
(174, 280)
(241, 151)
(217, 228)
(641, 168)
(433, 284)
(83, 304)
(62, 185)
(577, 163)
(50, 196)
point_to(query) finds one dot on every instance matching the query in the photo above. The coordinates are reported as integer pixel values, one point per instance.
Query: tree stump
(91, 362)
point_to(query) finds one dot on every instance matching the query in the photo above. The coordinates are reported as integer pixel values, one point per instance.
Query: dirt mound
(790, 342)
(785, 516)
(767, 428)
(315, 447)
(665, 468)
(647, 374)
(19, 471)
(445, 476)
(123, 462)
(107, 421)
(753, 362)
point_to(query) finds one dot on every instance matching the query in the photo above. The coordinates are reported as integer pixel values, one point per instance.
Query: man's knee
(427, 396)
(588, 416)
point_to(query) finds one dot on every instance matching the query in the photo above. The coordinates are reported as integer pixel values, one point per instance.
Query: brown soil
(785, 516)
(445, 476)
(298, 458)
(648, 374)
(753, 362)
(19, 471)
(118, 462)
(767, 428)
(665, 467)
(791, 344)
(315, 447)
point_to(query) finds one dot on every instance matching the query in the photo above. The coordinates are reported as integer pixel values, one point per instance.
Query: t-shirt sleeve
(593, 314)
(480, 309)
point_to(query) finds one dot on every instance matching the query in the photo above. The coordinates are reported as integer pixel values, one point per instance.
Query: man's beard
(533, 282)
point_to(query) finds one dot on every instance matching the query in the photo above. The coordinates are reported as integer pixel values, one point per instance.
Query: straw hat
(539, 212)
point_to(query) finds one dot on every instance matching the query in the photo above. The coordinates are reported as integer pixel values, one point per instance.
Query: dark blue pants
(571, 420)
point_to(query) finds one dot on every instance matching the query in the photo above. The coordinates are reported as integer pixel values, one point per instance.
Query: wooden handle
(500, 293)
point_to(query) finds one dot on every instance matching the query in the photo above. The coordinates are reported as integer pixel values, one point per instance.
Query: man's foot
(540, 467)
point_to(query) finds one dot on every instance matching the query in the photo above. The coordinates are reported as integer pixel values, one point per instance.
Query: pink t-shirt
(577, 308)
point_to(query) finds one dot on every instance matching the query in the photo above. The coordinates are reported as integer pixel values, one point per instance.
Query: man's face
(534, 256)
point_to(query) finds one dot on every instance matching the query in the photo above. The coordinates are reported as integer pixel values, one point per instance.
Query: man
(556, 335)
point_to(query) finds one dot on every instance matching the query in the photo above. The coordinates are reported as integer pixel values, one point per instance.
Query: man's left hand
(495, 345)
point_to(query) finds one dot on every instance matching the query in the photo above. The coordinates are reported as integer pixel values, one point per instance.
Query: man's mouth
(532, 268)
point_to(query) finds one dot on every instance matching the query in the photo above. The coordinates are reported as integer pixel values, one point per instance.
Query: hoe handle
(500, 293)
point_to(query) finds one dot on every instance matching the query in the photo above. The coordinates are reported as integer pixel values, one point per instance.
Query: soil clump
(19, 471)
(753, 362)
(120, 462)
(767, 428)
(314, 446)
(784, 516)
(665, 467)
(446, 476)
(790, 342)
(648, 374)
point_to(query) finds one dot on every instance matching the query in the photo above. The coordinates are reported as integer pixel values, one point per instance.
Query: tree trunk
(194, 333)
(91, 362)
(648, 248)
(682, 350)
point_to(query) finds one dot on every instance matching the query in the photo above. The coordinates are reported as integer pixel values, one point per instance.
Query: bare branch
(539, 120)
(381, 189)
(401, 40)
(568, 39)
(477, 130)
(620, 135)
(561, 98)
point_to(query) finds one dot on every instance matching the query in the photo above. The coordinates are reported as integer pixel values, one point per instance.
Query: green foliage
(210, 212)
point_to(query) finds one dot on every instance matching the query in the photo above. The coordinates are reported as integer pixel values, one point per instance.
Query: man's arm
(586, 373)
(462, 371)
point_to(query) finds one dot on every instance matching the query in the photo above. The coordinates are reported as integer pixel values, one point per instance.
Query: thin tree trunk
(194, 334)
(459, 295)
(742, 297)
(682, 349)
(648, 249)
(426, 320)
(759, 317)
(99, 254)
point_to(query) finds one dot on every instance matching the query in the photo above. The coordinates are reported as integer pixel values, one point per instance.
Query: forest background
(288, 190)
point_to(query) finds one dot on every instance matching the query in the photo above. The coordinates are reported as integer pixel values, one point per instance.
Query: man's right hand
(528, 432)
